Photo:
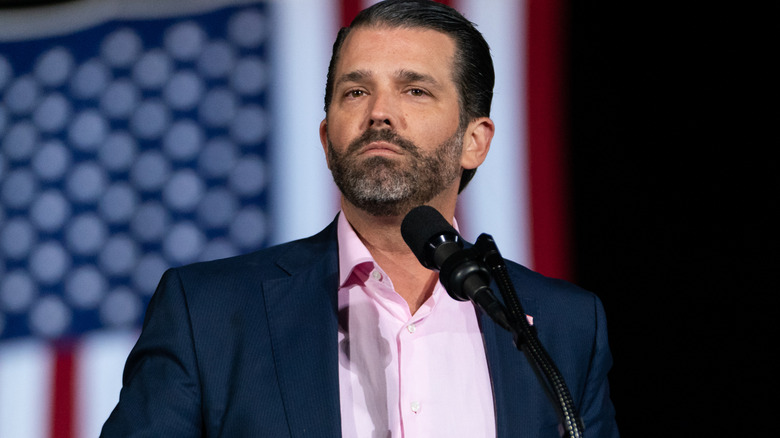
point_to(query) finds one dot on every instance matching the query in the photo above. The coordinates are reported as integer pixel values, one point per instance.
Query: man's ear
(324, 139)
(476, 142)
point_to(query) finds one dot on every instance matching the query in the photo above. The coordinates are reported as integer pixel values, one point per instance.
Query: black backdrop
(675, 193)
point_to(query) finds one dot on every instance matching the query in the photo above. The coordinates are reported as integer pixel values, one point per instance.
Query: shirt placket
(411, 390)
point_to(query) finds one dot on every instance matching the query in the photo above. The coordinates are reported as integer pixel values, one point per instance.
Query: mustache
(386, 135)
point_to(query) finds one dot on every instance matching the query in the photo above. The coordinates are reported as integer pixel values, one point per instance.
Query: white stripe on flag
(497, 201)
(26, 369)
(304, 199)
(100, 360)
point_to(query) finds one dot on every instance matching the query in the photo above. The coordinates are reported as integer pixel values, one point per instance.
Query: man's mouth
(380, 148)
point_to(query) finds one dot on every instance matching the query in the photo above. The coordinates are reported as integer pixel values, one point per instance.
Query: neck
(382, 238)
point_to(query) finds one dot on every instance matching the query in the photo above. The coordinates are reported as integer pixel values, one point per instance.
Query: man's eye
(355, 93)
(417, 92)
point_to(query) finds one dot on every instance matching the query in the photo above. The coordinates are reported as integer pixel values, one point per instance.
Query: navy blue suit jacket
(247, 347)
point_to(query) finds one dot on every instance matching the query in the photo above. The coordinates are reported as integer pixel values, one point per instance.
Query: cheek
(433, 133)
(340, 132)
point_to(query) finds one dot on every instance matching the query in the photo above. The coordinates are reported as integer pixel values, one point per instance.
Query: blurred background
(631, 157)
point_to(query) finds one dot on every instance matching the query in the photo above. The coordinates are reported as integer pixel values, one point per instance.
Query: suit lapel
(305, 346)
(516, 390)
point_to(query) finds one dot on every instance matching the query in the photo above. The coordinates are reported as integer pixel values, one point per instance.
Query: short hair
(472, 65)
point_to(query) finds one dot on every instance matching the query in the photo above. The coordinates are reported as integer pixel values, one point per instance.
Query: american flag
(136, 136)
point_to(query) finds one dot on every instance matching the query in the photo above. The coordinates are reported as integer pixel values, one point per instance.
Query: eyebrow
(353, 76)
(404, 75)
(413, 76)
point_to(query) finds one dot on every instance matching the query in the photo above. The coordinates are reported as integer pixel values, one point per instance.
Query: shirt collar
(352, 251)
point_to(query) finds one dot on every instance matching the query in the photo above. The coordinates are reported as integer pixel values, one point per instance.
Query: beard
(382, 186)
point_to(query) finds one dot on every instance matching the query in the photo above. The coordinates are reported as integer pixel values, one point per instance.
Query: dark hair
(473, 66)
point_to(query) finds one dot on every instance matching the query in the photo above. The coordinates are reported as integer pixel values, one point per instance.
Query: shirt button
(376, 275)
(415, 405)
(411, 327)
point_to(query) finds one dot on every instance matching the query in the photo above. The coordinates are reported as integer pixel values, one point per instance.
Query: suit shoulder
(536, 284)
(274, 261)
(554, 295)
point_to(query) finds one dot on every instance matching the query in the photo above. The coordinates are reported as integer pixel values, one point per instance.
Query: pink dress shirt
(404, 375)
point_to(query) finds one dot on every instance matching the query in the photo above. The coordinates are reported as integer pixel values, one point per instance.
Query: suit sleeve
(597, 412)
(161, 393)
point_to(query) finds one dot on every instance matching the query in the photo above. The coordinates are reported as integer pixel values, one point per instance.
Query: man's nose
(383, 111)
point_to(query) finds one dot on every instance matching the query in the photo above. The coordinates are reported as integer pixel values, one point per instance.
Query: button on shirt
(404, 375)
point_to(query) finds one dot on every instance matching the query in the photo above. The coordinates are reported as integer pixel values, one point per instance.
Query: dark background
(674, 189)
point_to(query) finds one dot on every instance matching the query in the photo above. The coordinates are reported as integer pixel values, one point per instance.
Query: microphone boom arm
(466, 279)
(466, 275)
(526, 339)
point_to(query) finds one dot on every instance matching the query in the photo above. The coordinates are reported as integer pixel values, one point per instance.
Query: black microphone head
(423, 229)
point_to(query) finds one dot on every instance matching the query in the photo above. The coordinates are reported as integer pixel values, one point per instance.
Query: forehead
(383, 48)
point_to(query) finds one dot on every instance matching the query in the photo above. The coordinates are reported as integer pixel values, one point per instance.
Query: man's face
(392, 133)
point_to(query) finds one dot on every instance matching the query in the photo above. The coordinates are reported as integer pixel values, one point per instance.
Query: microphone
(430, 237)
(464, 275)
(439, 247)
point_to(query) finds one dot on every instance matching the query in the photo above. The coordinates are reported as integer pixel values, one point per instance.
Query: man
(345, 333)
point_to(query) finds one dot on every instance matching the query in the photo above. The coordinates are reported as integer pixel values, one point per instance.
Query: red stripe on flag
(550, 232)
(349, 9)
(63, 395)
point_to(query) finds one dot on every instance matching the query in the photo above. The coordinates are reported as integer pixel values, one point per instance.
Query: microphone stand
(525, 337)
